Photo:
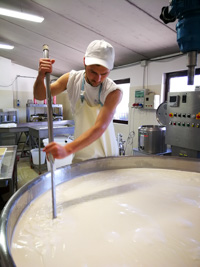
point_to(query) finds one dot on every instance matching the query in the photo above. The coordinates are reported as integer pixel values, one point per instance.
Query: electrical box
(151, 101)
(140, 97)
(146, 99)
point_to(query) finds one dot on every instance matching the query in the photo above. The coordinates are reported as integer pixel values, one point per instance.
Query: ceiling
(133, 27)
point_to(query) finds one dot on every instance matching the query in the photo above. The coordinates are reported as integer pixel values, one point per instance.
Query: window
(177, 82)
(122, 110)
(180, 84)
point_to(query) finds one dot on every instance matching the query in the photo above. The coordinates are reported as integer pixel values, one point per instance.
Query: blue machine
(188, 29)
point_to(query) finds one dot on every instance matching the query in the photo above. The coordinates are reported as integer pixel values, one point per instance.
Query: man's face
(96, 74)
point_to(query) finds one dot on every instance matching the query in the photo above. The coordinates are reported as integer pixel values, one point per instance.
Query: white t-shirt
(91, 94)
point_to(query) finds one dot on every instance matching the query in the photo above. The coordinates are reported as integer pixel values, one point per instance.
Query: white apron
(84, 117)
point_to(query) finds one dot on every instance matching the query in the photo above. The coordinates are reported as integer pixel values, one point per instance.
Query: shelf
(43, 105)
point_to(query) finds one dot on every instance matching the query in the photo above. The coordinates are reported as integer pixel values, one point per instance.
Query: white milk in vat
(130, 217)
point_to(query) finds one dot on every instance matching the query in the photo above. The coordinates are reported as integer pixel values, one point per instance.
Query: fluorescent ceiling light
(20, 15)
(5, 46)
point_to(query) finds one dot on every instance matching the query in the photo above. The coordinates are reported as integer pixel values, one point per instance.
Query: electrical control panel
(146, 99)
(183, 120)
(151, 101)
(140, 98)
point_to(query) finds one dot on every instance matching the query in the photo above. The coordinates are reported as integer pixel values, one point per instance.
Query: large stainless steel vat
(21, 199)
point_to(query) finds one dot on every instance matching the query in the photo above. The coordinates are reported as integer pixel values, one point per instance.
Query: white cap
(101, 53)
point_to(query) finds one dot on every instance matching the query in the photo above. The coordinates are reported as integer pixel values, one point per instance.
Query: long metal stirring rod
(50, 131)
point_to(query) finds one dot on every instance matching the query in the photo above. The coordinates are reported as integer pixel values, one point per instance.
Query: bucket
(62, 140)
(35, 156)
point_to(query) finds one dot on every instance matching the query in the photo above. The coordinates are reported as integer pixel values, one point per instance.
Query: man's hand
(39, 89)
(45, 65)
(57, 151)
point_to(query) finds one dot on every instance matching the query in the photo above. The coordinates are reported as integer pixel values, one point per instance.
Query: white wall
(16, 83)
(6, 94)
(22, 88)
(153, 80)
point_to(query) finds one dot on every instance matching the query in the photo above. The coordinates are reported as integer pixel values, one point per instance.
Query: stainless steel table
(41, 132)
(16, 132)
(8, 175)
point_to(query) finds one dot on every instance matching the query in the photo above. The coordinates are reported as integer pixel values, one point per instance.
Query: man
(93, 98)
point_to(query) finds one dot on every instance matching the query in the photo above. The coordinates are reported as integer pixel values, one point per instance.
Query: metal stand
(36, 108)
(37, 133)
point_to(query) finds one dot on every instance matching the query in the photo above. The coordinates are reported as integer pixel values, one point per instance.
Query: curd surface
(116, 218)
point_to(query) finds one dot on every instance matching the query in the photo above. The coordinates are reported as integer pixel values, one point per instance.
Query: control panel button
(193, 116)
(188, 124)
(183, 124)
(171, 115)
(179, 115)
(184, 98)
(198, 116)
(184, 115)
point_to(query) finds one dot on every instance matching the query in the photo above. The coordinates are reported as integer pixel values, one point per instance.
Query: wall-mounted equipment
(139, 98)
(151, 101)
(146, 99)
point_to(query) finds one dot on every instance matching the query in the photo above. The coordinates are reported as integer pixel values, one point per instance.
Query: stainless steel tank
(151, 139)
(29, 192)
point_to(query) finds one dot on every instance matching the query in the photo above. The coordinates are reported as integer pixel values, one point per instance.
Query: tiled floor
(24, 172)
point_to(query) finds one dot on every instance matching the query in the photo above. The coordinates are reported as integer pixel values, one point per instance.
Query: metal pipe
(50, 131)
(192, 62)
